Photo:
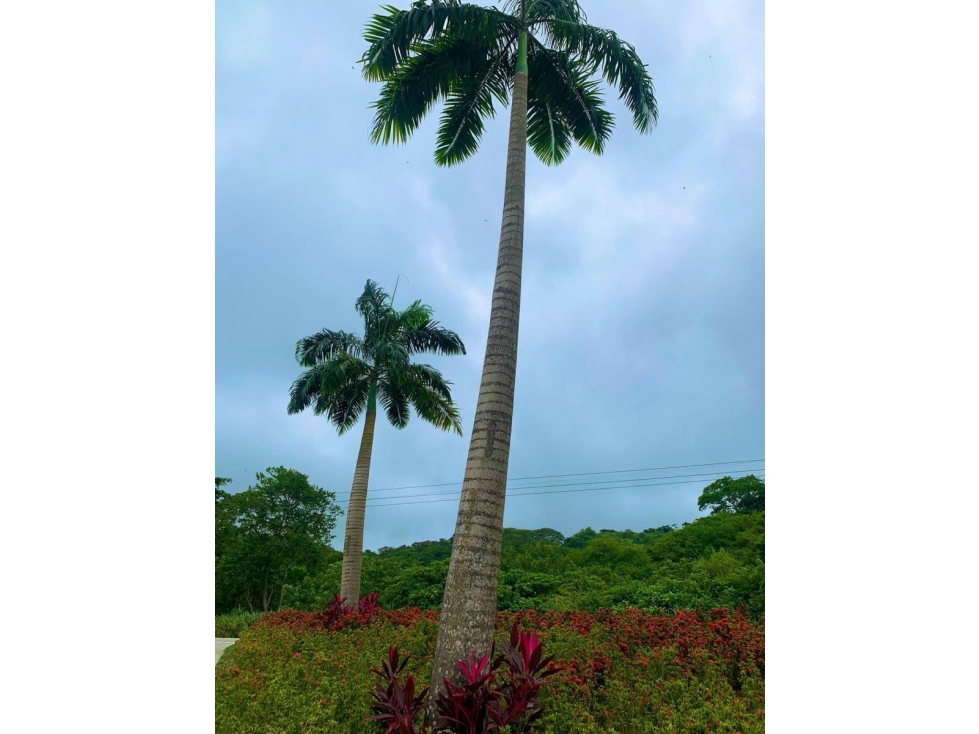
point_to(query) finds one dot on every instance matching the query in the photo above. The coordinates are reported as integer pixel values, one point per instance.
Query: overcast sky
(642, 317)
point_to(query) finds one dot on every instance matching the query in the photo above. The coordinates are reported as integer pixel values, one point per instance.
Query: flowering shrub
(627, 671)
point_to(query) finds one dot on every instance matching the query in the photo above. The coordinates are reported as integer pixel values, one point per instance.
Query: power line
(528, 494)
(575, 474)
(581, 484)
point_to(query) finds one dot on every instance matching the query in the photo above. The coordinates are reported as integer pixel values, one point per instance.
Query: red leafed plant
(514, 702)
(494, 692)
(334, 617)
(464, 708)
(335, 610)
(395, 707)
(370, 605)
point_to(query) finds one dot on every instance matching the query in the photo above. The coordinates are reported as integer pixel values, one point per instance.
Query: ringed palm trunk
(353, 537)
(468, 616)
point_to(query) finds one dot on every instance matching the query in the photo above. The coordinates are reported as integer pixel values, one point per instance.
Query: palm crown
(467, 55)
(347, 373)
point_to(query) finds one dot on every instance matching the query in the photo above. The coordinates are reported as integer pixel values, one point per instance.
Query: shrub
(625, 671)
(369, 605)
(395, 707)
(336, 616)
(483, 702)
(232, 624)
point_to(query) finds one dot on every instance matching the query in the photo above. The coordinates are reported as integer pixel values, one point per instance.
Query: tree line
(273, 552)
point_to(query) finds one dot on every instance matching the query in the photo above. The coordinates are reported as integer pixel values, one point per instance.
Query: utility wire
(528, 494)
(585, 483)
(576, 474)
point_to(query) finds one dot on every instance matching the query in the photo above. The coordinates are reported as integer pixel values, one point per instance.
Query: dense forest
(713, 561)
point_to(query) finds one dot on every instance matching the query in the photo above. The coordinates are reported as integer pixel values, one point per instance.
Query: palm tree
(469, 55)
(347, 373)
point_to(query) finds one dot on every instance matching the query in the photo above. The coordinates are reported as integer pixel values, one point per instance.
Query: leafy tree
(283, 527)
(744, 494)
(224, 522)
(347, 373)
(714, 532)
(545, 56)
(521, 589)
(580, 539)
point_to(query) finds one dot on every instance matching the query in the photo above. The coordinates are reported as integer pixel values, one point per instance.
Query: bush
(628, 671)
(232, 624)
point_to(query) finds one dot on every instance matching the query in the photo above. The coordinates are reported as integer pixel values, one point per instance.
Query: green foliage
(625, 672)
(224, 521)
(466, 56)
(276, 531)
(580, 539)
(744, 494)
(346, 372)
(744, 533)
(714, 561)
(233, 623)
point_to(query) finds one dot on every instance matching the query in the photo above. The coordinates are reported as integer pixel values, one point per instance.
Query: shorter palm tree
(347, 373)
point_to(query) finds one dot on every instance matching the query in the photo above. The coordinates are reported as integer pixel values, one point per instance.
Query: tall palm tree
(347, 373)
(469, 55)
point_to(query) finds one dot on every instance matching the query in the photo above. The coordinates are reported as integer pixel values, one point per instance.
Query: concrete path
(221, 644)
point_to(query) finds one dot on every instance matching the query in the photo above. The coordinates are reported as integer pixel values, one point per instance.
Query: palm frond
(430, 337)
(547, 132)
(429, 378)
(435, 408)
(344, 406)
(374, 305)
(568, 10)
(372, 302)
(303, 392)
(620, 64)
(411, 318)
(323, 345)
(326, 380)
(470, 102)
(564, 88)
(393, 399)
(394, 34)
(423, 79)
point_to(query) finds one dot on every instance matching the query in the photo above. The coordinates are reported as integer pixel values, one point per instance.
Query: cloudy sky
(642, 320)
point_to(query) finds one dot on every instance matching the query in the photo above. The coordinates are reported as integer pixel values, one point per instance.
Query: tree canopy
(277, 530)
(744, 494)
(718, 560)
(466, 55)
(345, 370)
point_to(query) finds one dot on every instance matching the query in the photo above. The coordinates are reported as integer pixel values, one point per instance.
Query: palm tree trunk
(353, 537)
(468, 615)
